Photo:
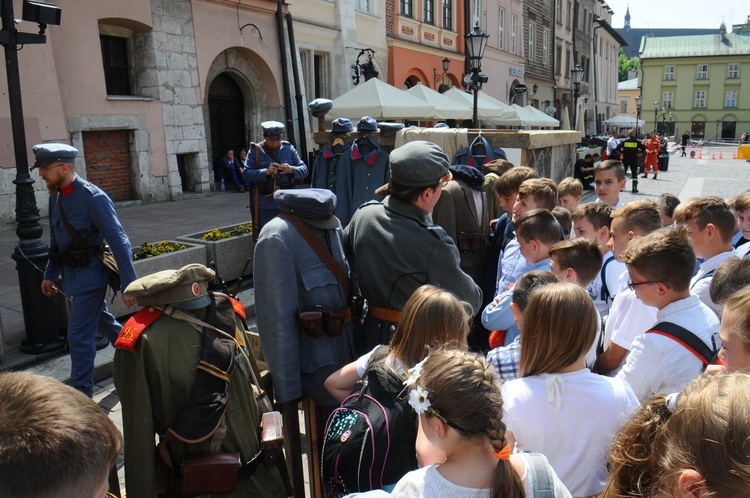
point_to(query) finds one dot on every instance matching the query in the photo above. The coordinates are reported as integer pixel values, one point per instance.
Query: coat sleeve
(254, 172)
(105, 219)
(52, 272)
(444, 214)
(275, 275)
(137, 423)
(444, 271)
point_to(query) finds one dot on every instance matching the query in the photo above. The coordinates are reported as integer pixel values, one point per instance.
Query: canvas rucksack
(369, 441)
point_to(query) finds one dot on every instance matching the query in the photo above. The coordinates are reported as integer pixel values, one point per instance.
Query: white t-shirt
(428, 482)
(742, 250)
(364, 360)
(659, 364)
(628, 318)
(571, 418)
(612, 276)
(700, 285)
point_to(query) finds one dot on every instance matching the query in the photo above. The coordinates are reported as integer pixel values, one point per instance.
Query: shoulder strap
(687, 339)
(85, 244)
(541, 478)
(605, 295)
(317, 246)
(708, 274)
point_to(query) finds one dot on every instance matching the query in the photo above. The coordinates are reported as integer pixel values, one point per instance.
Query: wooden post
(293, 446)
(313, 447)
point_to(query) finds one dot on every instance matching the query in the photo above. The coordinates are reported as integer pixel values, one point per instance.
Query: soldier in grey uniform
(393, 247)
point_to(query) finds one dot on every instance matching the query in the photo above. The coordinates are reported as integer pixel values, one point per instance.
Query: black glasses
(48, 167)
(632, 285)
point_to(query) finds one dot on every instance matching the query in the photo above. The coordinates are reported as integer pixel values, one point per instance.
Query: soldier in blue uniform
(91, 214)
(271, 165)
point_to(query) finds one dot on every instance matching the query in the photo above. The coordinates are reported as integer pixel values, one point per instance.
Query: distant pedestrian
(612, 144)
(631, 149)
(684, 142)
(745, 137)
(81, 218)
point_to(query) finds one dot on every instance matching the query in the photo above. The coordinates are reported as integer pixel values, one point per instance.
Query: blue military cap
(320, 107)
(314, 205)
(273, 129)
(389, 129)
(367, 124)
(341, 125)
(52, 153)
(418, 164)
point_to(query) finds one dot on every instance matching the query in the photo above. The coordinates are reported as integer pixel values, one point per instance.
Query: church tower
(627, 19)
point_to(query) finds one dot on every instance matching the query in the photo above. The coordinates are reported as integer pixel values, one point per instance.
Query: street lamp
(439, 77)
(718, 122)
(577, 78)
(39, 314)
(476, 42)
(663, 117)
(367, 69)
(638, 102)
(656, 113)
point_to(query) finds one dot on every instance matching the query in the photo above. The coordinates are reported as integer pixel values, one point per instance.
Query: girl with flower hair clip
(457, 396)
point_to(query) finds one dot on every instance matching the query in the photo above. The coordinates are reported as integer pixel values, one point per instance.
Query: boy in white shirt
(609, 180)
(741, 205)
(628, 316)
(660, 266)
(710, 225)
(593, 221)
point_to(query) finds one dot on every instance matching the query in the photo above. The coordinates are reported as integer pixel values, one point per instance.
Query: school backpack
(690, 341)
(369, 441)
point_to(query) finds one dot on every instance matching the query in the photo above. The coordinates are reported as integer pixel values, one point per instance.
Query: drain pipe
(297, 88)
(285, 73)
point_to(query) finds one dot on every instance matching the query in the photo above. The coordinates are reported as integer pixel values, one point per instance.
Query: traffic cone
(713, 156)
(721, 155)
(700, 155)
(734, 155)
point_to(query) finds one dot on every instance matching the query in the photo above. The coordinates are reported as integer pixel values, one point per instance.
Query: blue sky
(684, 14)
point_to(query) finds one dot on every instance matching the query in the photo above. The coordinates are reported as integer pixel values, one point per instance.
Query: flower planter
(171, 261)
(229, 255)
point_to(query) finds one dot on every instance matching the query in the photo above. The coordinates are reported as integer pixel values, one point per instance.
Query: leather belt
(386, 314)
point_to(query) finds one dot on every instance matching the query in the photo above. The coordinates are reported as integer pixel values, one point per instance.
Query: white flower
(418, 400)
(414, 373)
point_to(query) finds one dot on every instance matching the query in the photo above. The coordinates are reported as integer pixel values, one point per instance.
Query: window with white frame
(568, 14)
(532, 36)
(513, 33)
(731, 100)
(667, 99)
(624, 106)
(545, 47)
(448, 14)
(558, 12)
(429, 11)
(702, 71)
(700, 98)
(362, 5)
(734, 70)
(668, 72)
(558, 59)
(501, 29)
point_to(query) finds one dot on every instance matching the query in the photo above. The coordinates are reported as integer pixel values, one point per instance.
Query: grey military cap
(418, 164)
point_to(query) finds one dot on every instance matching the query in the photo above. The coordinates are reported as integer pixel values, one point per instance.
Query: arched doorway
(226, 109)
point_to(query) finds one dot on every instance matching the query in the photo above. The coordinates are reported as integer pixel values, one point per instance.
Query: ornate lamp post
(476, 42)
(577, 78)
(656, 113)
(439, 77)
(638, 101)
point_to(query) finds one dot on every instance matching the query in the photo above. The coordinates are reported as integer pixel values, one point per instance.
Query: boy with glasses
(660, 266)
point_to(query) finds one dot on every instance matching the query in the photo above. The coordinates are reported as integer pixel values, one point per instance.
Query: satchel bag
(208, 473)
(103, 254)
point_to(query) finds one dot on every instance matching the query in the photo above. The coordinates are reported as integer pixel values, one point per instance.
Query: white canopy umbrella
(380, 100)
(546, 118)
(624, 121)
(487, 107)
(445, 107)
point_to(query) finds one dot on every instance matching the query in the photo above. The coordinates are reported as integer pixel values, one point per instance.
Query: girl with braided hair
(557, 406)
(457, 396)
(688, 445)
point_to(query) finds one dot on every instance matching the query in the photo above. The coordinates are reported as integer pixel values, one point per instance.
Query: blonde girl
(458, 397)
(431, 318)
(558, 407)
(695, 444)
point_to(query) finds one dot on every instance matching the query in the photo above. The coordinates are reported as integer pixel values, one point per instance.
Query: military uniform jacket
(326, 166)
(154, 382)
(91, 213)
(257, 173)
(290, 276)
(456, 212)
(630, 148)
(394, 248)
(359, 176)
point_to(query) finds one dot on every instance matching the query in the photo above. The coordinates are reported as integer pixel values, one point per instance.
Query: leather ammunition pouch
(357, 305)
(208, 473)
(471, 242)
(76, 257)
(321, 320)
